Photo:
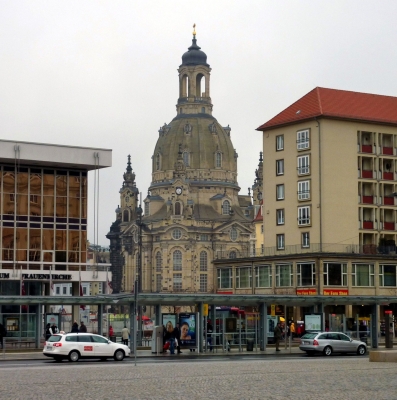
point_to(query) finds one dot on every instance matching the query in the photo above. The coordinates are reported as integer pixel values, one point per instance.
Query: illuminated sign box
(306, 292)
(335, 292)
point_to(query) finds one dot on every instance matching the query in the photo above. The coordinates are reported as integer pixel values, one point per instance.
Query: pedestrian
(209, 333)
(277, 335)
(54, 329)
(177, 333)
(125, 334)
(292, 329)
(169, 336)
(82, 328)
(75, 327)
(111, 331)
(48, 331)
(3, 334)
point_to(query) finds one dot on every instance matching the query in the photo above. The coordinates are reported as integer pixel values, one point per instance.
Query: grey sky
(104, 73)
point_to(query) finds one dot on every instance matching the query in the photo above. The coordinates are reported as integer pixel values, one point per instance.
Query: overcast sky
(104, 73)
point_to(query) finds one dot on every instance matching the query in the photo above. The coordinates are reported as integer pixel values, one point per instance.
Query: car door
(85, 345)
(101, 346)
(334, 341)
(345, 343)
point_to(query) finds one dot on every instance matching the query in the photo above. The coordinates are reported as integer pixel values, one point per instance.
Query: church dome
(194, 56)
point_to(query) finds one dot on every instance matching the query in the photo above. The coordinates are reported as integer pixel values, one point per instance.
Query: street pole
(139, 277)
(135, 336)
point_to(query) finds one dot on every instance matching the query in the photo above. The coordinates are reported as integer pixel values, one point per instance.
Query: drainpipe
(320, 184)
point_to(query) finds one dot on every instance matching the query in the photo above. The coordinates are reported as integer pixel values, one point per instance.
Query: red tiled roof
(259, 216)
(337, 104)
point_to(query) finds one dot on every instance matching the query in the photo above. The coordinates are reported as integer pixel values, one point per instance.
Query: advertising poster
(313, 322)
(271, 324)
(187, 325)
(169, 321)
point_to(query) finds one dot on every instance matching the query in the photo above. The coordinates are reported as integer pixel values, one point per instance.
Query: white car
(74, 346)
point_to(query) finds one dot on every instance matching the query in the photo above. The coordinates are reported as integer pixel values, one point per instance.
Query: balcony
(388, 226)
(368, 174)
(388, 176)
(368, 225)
(387, 150)
(388, 201)
(368, 199)
(366, 148)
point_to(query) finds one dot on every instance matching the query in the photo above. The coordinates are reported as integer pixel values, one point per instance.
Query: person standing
(111, 331)
(82, 328)
(47, 331)
(277, 335)
(177, 333)
(292, 329)
(75, 327)
(3, 333)
(210, 329)
(53, 329)
(169, 336)
(125, 334)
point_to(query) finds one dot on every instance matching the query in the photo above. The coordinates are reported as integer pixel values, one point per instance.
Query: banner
(187, 325)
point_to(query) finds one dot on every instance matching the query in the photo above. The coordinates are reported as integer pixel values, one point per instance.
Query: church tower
(193, 212)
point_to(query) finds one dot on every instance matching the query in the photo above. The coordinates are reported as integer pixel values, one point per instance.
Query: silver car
(331, 342)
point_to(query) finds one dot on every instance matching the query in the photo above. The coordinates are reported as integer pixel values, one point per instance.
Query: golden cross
(194, 29)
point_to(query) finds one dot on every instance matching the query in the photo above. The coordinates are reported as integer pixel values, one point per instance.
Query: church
(193, 212)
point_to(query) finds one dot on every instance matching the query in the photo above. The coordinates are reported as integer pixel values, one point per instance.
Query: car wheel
(361, 350)
(74, 356)
(119, 355)
(327, 351)
(310, 353)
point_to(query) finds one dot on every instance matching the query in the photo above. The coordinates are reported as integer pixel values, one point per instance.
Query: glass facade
(43, 216)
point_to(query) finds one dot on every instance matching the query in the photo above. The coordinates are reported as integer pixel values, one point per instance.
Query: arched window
(203, 261)
(126, 215)
(177, 208)
(203, 110)
(159, 262)
(158, 163)
(177, 260)
(233, 234)
(147, 208)
(186, 160)
(218, 160)
(232, 254)
(226, 207)
(184, 92)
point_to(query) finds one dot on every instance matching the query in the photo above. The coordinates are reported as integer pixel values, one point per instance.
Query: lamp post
(138, 280)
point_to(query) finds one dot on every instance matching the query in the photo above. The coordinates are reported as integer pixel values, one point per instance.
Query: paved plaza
(287, 378)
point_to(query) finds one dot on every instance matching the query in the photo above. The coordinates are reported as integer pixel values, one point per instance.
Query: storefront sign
(4, 276)
(306, 292)
(335, 292)
(63, 277)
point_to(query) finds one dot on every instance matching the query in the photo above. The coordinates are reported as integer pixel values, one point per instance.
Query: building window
(305, 239)
(34, 199)
(303, 216)
(284, 275)
(203, 261)
(243, 277)
(204, 238)
(302, 139)
(279, 142)
(203, 110)
(126, 216)
(177, 208)
(306, 274)
(70, 290)
(263, 276)
(280, 192)
(218, 160)
(262, 228)
(303, 165)
(58, 290)
(159, 283)
(232, 254)
(363, 275)
(158, 162)
(225, 278)
(186, 158)
(280, 242)
(387, 275)
(177, 260)
(279, 167)
(159, 262)
(304, 190)
(233, 234)
(203, 283)
(335, 274)
(176, 234)
(280, 216)
(65, 288)
(147, 208)
(177, 282)
(226, 207)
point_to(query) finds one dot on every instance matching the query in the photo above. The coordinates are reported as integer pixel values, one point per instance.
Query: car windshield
(54, 338)
(309, 335)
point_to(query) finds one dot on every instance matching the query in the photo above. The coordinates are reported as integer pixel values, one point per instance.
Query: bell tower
(128, 194)
(194, 81)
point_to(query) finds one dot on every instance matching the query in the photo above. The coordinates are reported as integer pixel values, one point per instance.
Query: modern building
(43, 226)
(193, 209)
(329, 208)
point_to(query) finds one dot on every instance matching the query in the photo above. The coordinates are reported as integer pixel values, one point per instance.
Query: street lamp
(138, 278)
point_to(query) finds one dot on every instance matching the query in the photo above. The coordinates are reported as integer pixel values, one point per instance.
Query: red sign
(220, 292)
(335, 292)
(388, 312)
(88, 348)
(306, 292)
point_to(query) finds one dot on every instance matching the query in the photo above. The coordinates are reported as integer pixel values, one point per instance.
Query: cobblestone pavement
(307, 378)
